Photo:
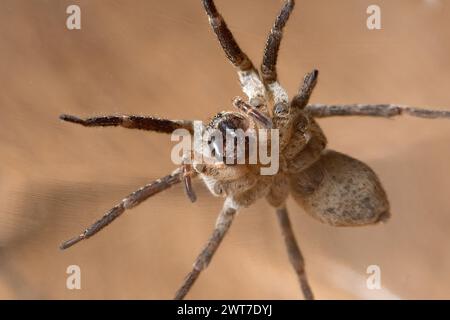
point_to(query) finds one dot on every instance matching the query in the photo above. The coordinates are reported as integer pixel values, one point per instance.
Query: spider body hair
(330, 186)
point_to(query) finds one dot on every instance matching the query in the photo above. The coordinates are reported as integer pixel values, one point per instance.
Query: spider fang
(253, 112)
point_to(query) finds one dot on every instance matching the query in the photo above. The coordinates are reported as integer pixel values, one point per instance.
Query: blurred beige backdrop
(161, 58)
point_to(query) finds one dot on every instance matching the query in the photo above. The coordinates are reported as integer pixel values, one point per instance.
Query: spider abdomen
(341, 191)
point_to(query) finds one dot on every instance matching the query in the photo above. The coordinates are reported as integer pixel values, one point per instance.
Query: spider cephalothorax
(330, 186)
(223, 125)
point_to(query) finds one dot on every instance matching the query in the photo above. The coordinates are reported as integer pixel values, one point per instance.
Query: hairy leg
(300, 100)
(223, 224)
(132, 122)
(295, 255)
(129, 202)
(188, 173)
(375, 110)
(287, 116)
(277, 93)
(248, 76)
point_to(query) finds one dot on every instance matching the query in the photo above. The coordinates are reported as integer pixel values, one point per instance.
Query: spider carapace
(330, 186)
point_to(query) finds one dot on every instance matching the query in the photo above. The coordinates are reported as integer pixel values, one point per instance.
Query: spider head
(227, 136)
(226, 120)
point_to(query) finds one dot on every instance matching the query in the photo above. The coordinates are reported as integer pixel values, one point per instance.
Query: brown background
(161, 58)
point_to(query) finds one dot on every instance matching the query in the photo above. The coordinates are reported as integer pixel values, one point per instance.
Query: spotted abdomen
(341, 191)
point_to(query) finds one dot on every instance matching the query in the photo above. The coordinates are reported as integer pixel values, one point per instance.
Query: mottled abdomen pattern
(340, 191)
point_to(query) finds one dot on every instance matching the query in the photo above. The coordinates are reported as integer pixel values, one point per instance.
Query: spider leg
(374, 110)
(223, 224)
(268, 67)
(300, 100)
(250, 82)
(129, 202)
(295, 255)
(188, 172)
(132, 122)
(285, 115)
(232, 50)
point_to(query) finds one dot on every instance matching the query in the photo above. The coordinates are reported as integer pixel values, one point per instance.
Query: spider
(330, 186)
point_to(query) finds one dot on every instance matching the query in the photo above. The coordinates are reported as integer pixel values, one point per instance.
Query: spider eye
(215, 147)
(280, 110)
(225, 126)
(302, 123)
(233, 122)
